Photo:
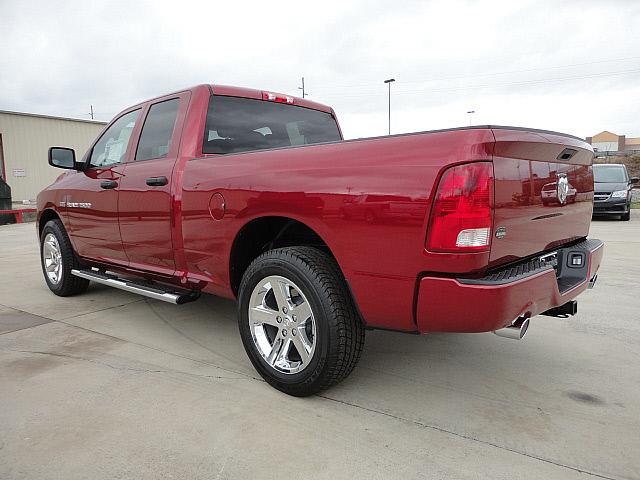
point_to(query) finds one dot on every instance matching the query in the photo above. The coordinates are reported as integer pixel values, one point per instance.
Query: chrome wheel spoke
(303, 346)
(283, 357)
(281, 293)
(302, 312)
(264, 316)
(279, 349)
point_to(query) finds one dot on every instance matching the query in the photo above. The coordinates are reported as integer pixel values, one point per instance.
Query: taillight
(276, 97)
(461, 216)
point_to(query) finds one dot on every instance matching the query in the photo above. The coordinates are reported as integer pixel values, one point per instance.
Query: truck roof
(232, 91)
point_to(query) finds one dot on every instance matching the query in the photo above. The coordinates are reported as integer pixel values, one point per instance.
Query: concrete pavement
(111, 385)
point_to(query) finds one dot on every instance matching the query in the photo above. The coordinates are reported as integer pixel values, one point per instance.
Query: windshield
(606, 174)
(236, 124)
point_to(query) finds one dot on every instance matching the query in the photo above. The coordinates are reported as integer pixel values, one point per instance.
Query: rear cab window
(236, 124)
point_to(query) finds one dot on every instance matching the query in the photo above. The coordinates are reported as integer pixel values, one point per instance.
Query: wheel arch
(47, 215)
(265, 233)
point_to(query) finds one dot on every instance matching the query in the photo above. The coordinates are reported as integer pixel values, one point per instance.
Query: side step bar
(157, 292)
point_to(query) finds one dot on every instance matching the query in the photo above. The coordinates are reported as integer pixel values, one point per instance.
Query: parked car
(241, 193)
(612, 190)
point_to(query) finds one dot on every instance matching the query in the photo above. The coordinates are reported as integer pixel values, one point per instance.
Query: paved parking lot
(111, 385)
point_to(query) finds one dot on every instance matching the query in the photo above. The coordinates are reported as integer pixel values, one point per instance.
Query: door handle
(108, 184)
(157, 181)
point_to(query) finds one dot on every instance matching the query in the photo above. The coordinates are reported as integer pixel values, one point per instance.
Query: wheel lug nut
(279, 319)
(284, 310)
(293, 332)
(293, 317)
(284, 332)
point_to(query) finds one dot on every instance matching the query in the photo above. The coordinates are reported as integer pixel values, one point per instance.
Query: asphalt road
(111, 385)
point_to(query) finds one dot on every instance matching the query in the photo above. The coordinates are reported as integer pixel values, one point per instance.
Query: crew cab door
(145, 203)
(91, 203)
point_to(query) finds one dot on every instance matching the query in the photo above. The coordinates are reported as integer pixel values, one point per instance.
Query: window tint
(605, 174)
(237, 124)
(112, 146)
(155, 139)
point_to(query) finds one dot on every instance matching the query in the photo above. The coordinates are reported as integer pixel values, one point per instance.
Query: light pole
(302, 88)
(388, 82)
(470, 112)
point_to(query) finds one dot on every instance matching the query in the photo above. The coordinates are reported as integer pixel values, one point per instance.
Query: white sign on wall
(19, 172)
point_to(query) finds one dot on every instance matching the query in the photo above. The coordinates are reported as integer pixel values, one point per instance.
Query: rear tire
(327, 330)
(58, 259)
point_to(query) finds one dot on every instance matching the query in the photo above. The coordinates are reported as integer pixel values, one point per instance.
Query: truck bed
(369, 201)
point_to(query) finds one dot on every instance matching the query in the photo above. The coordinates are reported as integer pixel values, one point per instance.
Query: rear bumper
(494, 301)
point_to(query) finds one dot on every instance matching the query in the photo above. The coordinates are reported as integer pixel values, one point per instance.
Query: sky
(570, 66)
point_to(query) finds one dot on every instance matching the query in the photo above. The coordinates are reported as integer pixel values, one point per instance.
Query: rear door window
(236, 124)
(157, 132)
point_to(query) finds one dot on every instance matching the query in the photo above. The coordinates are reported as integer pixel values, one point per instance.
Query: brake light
(462, 212)
(276, 97)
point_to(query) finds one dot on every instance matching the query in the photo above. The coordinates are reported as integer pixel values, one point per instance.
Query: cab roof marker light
(276, 97)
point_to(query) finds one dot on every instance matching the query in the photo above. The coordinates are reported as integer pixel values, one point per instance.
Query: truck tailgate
(543, 192)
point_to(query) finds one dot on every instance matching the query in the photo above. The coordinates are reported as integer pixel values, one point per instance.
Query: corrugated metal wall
(25, 141)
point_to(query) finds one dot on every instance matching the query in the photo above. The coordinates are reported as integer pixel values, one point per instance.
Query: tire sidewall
(300, 276)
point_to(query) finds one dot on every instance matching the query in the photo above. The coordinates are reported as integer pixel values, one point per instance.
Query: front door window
(112, 146)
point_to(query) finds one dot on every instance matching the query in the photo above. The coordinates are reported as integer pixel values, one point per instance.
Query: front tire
(626, 216)
(297, 320)
(58, 259)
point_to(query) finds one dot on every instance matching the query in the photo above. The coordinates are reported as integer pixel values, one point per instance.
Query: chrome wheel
(282, 324)
(52, 258)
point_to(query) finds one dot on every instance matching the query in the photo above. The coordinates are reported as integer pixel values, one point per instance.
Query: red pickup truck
(255, 196)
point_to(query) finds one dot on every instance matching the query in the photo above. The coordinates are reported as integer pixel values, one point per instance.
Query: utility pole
(388, 82)
(91, 113)
(470, 112)
(302, 88)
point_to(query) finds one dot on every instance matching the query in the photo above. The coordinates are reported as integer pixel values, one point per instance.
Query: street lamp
(470, 112)
(388, 82)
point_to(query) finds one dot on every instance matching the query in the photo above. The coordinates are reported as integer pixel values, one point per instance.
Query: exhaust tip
(516, 331)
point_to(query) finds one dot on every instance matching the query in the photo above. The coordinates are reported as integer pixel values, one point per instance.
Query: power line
(494, 85)
(508, 72)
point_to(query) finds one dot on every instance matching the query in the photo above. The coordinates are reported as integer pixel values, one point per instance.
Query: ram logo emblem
(562, 188)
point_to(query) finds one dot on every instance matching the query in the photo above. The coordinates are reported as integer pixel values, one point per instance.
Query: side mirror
(62, 157)
(634, 180)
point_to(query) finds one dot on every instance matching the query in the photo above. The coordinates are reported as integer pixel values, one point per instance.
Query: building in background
(607, 143)
(24, 141)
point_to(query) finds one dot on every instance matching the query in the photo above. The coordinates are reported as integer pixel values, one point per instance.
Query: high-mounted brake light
(276, 97)
(462, 212)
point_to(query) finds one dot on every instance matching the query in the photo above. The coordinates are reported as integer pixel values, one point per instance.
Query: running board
(157, 292)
